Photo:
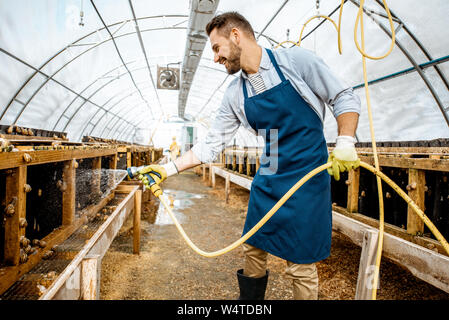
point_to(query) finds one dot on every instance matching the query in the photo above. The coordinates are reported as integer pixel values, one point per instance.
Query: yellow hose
(287, 195)
(375, 169)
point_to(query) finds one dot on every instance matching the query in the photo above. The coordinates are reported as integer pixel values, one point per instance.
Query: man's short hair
(226, 21)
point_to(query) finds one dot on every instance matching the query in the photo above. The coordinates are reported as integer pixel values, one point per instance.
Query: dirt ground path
(168, 269)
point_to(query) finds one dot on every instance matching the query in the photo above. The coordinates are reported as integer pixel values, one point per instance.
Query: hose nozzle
(152, 185)
(134, 171)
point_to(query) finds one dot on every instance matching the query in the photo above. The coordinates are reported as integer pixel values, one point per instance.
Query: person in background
(175, 150)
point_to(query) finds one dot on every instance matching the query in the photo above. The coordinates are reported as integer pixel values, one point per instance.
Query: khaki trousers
(304, 276)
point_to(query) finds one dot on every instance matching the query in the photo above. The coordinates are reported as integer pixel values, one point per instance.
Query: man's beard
(233, 62)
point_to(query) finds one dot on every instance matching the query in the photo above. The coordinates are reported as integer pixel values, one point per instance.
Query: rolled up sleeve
(223, 128)
(325, 84)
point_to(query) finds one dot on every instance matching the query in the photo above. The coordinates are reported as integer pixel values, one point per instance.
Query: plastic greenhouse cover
(92, 93)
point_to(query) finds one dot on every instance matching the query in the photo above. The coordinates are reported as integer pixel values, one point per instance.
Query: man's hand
(152, 175)
(343, 157)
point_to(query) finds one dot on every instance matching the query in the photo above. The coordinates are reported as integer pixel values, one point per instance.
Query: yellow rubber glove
(343, 157)
(157, 173)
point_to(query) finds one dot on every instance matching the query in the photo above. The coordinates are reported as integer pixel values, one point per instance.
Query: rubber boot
(251, 288)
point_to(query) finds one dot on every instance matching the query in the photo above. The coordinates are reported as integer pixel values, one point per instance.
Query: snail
(24, 242)
(27, 158)
(27, 249)
(23, 223)
(9, 210)
(23, 257)
(27, 188)
(47, 255)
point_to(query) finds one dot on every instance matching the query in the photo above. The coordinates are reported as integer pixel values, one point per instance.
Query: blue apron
(300, 231)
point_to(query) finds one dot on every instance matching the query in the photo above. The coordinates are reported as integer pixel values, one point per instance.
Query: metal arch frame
(411, 60)
(272, 18)
(131, 131)
(91, 84)
(119, 55)
(420, 45)
(87, 87)
(110, 109)
(94, 45)
(126, 109)
(117, 103)
(67, 63)
(113, 129)
(94, 93)
(211, 96)
(44, 74)
(124, 130)
(117, 132)
(142, 46)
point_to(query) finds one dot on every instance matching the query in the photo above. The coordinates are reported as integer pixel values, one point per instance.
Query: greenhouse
(224, 150)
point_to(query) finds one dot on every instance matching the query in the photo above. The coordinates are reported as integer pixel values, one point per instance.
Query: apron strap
(245, 93)
(276, 66)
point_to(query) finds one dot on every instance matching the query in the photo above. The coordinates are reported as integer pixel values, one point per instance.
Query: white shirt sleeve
(223, 128)
(325, 84)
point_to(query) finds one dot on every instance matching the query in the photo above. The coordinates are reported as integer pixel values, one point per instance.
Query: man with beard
(281, 95)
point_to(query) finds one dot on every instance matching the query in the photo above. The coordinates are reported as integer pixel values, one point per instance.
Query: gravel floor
(168, 269)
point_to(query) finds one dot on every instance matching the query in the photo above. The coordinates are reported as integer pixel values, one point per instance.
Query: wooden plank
(213, 177)
(88, 279)
(406, 150)
(112, 166)
(136, 221)
(113, 161)
(414, 163)
(9, 275)
(210, 174)
(416, 191)
(364, 288)
(203, 166)
(128, 158)
(423, 263)
(96, 175)
(15, 201)
(394, 230)
(241, 180)
(353, 190)
(97, 244)
(15, 159)
(68, 195)
(227, 187)
(241, 161)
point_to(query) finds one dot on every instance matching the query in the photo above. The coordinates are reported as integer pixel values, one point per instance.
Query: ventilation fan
(167, 78)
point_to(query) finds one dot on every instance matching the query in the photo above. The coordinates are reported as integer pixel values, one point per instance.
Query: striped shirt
(257, 82)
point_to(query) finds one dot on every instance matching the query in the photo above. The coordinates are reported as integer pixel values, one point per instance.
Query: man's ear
(235, 35)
